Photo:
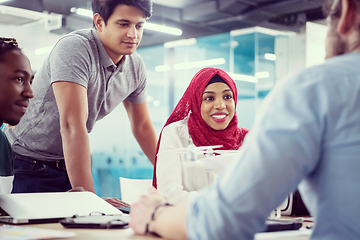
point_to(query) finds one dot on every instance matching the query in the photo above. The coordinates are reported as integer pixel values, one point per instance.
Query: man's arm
(71, 99)
(142, 128)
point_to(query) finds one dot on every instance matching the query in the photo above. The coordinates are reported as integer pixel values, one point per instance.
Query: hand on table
(141, 211)
(77, 189)
(113, 201)
(116, 202)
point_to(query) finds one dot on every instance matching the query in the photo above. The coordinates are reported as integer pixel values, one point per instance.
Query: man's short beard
(337, 45)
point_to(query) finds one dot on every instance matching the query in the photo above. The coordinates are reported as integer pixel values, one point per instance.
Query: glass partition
(247, 55)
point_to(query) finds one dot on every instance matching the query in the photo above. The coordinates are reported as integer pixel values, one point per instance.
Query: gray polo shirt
(78, 57)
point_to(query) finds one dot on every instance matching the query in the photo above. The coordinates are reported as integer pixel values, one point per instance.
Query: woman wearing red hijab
(204, 116)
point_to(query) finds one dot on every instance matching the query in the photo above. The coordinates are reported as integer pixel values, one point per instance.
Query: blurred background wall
(256, 57)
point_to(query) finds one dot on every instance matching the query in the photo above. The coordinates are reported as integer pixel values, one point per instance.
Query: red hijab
(202, 134)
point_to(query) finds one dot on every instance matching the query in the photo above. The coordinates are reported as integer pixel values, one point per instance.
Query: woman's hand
(116, 202)
(77, 189)
(140, 214)
(113, 201)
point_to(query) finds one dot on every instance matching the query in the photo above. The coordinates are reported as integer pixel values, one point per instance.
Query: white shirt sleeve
(168, 168)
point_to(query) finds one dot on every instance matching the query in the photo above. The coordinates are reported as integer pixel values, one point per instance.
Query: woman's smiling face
(217, 105)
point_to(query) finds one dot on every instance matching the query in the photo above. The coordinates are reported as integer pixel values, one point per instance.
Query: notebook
(33, 208)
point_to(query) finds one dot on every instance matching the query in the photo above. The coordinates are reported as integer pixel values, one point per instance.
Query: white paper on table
(10, 232)
(283, 234)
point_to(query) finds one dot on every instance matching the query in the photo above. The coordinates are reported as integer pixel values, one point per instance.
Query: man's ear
(348, 17)
(98, 21)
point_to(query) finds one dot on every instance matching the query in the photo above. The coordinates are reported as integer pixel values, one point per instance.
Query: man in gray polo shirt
(87, 74)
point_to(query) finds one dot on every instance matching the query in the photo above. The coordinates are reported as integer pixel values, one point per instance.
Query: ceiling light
(270, 56)
(244, 78)
(162, 68)
(235, 76)
(82, 11)
(179, 43)
(263, 30)
(199, 64)
(156, 103)
(234, 44)
(147, 25)
(24, 13)
(163, 28)
(149, 98)
(262, 74)
(44, 50)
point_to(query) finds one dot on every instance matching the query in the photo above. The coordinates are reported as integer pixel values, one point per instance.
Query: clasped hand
(141, 211)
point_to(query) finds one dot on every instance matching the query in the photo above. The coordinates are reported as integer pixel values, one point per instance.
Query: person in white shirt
(16, 77)
(204, 116)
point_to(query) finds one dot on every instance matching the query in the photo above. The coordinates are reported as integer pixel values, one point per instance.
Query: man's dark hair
(7, 44)
(106, 7)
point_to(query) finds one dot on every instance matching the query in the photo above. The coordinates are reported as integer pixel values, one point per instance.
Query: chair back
(131, 189)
